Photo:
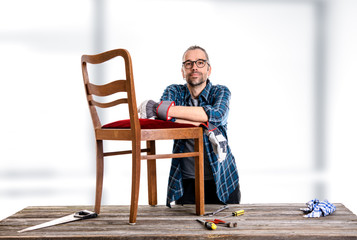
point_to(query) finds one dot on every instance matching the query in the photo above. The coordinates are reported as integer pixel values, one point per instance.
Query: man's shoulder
(219, 88)
(174, 92)
(176, 87)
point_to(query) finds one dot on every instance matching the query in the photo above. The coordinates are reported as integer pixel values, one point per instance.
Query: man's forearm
(178, 120)
(195, 114)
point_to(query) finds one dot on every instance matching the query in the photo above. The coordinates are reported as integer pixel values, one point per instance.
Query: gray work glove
(152, 110)
(218, 141)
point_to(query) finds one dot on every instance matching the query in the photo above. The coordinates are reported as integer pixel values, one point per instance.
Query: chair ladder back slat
(107, 89)
(109, 104)
(105, 56)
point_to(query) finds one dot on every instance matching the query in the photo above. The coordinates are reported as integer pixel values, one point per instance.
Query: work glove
(316, 209)
(218, 141)
(152, 110)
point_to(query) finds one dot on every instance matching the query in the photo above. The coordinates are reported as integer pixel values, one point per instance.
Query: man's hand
(218, 141)
(151, 109)
(147, 109)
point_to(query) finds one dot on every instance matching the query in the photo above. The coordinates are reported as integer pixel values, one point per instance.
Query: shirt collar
(203, 95)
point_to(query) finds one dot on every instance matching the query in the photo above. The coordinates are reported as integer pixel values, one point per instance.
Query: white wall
(264, 51)
(342, 115)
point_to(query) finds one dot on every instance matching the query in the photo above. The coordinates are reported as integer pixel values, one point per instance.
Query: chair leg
(135, 181)
(151, 171)
(199, 178)
(99, 176)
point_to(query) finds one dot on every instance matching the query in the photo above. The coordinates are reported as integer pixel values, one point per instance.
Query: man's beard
(193, 83)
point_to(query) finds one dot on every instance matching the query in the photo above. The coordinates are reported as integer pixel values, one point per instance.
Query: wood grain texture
(260, 221)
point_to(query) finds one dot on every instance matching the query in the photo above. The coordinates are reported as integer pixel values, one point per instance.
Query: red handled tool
(219, 222)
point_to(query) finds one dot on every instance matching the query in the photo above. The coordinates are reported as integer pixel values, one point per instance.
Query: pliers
(225, 224)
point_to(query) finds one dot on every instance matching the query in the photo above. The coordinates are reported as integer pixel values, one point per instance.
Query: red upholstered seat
(147, 124)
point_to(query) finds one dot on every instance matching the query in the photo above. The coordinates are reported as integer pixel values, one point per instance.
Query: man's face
(195, 76)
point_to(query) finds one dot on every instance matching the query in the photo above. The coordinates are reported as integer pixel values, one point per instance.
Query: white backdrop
(269, 53)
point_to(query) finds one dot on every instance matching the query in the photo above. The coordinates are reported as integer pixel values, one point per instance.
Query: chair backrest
(116, 86)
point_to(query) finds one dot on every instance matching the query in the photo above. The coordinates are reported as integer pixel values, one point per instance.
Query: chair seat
(147, 124)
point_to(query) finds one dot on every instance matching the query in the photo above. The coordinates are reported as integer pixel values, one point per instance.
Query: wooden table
(260, 221)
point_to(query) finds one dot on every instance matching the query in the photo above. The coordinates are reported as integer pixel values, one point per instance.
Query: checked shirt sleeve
(171, 93)
(217, 110)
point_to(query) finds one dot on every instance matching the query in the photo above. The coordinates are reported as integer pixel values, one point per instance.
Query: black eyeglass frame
(195, 62)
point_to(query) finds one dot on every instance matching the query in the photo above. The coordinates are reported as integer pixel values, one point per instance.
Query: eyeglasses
(200, 63)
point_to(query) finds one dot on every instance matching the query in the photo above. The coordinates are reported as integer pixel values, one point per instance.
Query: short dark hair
(194, 47)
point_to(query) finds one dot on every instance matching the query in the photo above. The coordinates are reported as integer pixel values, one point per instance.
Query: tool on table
(235, 214)
(208, 225)
(219, 210)
(224, 223)
(231, 224)
(84, 214)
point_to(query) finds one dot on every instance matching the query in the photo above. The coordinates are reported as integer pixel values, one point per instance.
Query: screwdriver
(208, 225)
(235, 214)
(219, 210)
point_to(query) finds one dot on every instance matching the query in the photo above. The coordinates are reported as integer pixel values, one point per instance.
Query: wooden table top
(260, 221)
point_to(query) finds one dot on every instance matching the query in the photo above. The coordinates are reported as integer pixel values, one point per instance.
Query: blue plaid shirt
(215, 101)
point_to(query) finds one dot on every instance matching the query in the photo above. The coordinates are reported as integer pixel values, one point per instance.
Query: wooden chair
(136, 130)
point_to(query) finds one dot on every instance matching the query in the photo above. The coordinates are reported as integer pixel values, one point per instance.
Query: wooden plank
(260, 221)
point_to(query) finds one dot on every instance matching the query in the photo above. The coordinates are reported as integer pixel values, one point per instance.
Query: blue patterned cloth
(215, 101)
(316, 209)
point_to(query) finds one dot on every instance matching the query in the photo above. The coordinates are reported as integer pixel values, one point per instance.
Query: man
(197, 102)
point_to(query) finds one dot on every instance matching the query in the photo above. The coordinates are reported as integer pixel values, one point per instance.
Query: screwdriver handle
(235, 214)
(208, 225)
(238, 213)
